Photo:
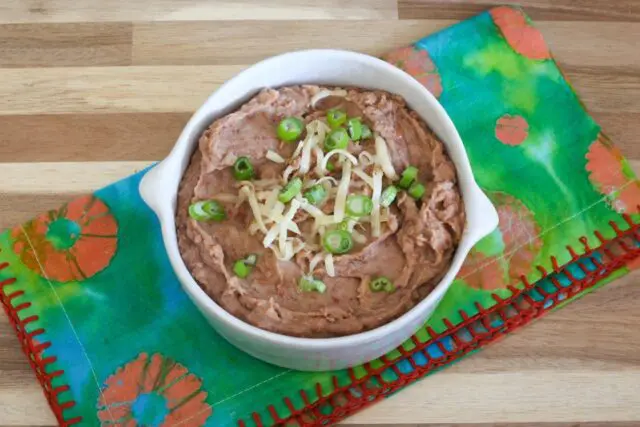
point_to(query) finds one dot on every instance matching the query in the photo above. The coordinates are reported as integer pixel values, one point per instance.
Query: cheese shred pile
(281, 224)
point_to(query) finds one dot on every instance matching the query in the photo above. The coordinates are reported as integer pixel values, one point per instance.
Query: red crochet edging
(514, 312)
(34, 349)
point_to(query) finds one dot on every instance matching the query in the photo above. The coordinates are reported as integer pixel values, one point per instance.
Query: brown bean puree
(411, 242)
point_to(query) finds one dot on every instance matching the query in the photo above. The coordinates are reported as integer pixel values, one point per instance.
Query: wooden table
(93, 90)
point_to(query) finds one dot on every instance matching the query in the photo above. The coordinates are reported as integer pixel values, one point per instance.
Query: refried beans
(396, 253)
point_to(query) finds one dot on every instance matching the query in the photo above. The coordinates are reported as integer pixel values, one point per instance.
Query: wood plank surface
(91, 91)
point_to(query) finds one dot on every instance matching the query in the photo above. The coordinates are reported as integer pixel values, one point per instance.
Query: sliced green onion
(408, 176)
(366, 132)
(241, 269)
(251, 260)
(243, 169)
(310, 284)
(331, 167)
(416, 190)
(336, 118)
(354, 127)
(290, 190)
(337, 139)
(337, 241)
(316, 194)
(359, 205)
(290, 129)
(207, 210)
(381, 284)
(344, 225)
(388, 196)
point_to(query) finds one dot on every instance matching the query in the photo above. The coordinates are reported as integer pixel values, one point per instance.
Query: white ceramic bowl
(325, 67)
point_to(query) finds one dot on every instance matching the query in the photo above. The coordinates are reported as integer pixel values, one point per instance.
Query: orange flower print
(418, 64)
(71, 243)
(523, 37)
(512, 130)
(507, 254)
(612, 176)
(153, 391)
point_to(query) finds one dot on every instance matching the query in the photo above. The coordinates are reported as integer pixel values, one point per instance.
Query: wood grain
(565, 10)
(92, 91)
(89, 137)
(61, 45)
(215, 42)
(14, 11)
(153, 88)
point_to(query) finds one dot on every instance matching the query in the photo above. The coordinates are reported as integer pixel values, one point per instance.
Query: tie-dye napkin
(115, 342)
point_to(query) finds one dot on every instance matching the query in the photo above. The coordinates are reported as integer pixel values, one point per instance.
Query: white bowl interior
(324, 67)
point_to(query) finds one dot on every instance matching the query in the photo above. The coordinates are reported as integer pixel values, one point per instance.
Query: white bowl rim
(329, 342)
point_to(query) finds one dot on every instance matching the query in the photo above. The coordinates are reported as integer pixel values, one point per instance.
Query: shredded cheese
(271, 236)
(363, 176)
(311, 209)
(298, 245)
(328, 265)
(331, 153)
(316, 131)
(270, 202)
(282, 237)
(319, 154)
(258, 183)
(343, 189)
(314, 262)
(375, 198)
(383, 159)
(351, 223)
(298, 149)
(327, 178)
(288, 250)
(255, 207)
(276, 211)
(293, 227)
(274, 157)
(359, 238)
(287, 172)
(366, 158)
(324, 93)
(328, 220)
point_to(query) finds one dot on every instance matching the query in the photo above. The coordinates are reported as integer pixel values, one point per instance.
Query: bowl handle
(484, 218)
(151, 187)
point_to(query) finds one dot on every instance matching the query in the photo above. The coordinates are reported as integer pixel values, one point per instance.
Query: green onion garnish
(408, 176)
(359, 205)
(251, 260)
(416, 190)
(207, 210)
(309, 284)
(336, 118)
(290, 129)
(316, 194)
(241, 269)
(337, 139)
(337, 241)
(344, 225)
(354, 127)
(388, 196)
(381, 284)
(366, 132)
(331, 167)
(290, 190)
(243, 169)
